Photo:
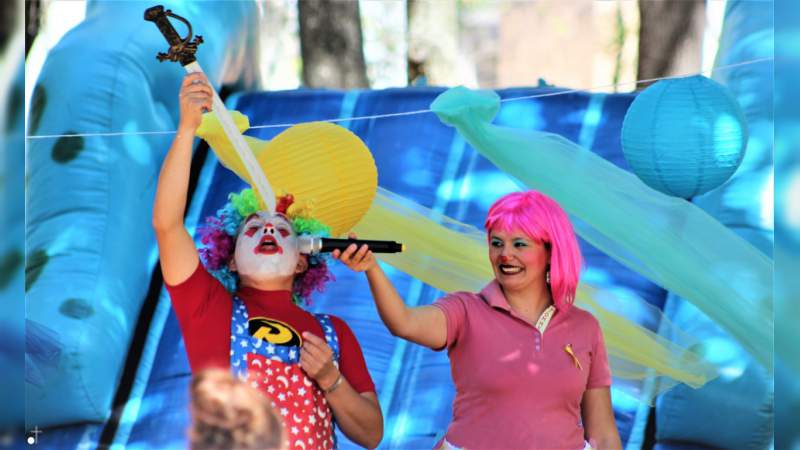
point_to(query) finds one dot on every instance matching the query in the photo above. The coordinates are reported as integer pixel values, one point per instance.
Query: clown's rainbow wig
(219, 234)
(543, 220)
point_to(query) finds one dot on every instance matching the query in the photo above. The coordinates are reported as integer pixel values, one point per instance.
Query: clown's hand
(195, 98)
(357, 259)
(316, 359)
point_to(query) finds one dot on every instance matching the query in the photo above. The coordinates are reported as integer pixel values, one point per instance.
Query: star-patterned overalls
(275, 370)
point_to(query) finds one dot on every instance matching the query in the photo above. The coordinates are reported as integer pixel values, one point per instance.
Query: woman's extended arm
(424, 325)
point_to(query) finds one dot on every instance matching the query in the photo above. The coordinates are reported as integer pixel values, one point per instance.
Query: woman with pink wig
(530, 369)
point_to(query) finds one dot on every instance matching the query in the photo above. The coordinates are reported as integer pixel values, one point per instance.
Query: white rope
(115, 133)
(422, 111)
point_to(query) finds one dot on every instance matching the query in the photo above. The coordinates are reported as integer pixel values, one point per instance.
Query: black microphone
(311, 245)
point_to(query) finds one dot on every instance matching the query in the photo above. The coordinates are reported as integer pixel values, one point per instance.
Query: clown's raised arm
(179, 257)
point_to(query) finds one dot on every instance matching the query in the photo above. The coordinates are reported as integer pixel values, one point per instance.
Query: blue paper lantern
(684, 136)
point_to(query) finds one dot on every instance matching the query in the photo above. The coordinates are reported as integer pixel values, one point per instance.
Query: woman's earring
(547, 277)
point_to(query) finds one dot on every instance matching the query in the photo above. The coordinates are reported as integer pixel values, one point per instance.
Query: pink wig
(543, 220)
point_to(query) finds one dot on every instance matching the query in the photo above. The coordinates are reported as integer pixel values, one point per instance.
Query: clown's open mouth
(268, 246)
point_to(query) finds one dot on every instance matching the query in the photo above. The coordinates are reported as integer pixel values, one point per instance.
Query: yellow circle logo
(274, 332)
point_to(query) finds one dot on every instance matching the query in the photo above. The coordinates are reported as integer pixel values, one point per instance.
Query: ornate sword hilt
(181, 49)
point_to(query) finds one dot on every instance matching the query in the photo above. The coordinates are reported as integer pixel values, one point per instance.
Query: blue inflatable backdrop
(91, 250)
(744, 391)
(90, 245)
(12, 248)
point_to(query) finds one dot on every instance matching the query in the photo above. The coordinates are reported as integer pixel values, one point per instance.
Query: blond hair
(229, 414)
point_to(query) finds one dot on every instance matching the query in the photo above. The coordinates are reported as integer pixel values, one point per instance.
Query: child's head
(227, 413)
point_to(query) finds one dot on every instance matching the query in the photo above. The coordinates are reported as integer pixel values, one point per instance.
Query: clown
(239, 308)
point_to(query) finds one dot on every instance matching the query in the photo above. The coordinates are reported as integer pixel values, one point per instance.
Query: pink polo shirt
(517, 388)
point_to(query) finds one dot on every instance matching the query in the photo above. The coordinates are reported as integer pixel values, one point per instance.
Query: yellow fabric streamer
(324, 166)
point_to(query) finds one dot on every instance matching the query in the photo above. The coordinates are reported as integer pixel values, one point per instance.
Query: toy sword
(183, 49)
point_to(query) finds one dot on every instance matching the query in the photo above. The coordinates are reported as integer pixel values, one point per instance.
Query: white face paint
(266, 247)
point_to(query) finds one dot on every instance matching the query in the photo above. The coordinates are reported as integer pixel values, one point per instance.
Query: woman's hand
(316, 359)
(357, 259)
(195, 99)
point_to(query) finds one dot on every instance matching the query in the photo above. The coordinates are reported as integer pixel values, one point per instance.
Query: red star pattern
(302, 406)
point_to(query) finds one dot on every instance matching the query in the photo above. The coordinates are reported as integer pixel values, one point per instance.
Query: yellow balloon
(319, 163)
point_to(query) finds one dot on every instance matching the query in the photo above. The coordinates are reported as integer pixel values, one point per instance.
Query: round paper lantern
(684, 136)
(317, 162)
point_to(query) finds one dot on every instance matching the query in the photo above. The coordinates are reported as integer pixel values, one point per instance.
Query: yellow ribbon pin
(569, 351)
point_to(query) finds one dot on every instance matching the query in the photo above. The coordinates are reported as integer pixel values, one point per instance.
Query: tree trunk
(33, 14)
(415, 65)
(330, 44)
(8, 23)
(432, 42)
(670, 38)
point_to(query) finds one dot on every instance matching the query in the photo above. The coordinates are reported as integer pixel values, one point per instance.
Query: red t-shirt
(204, 309)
